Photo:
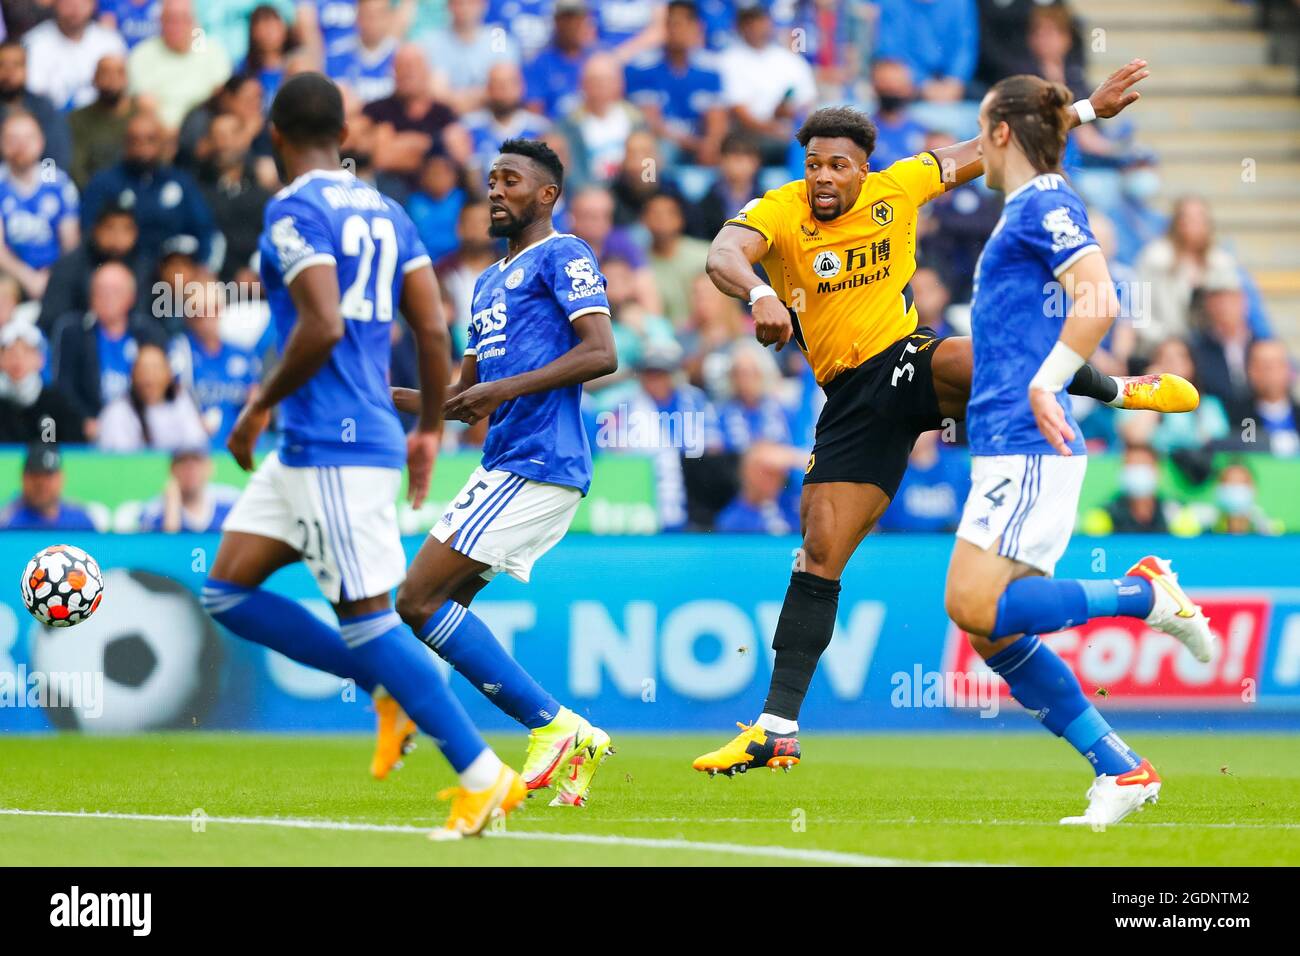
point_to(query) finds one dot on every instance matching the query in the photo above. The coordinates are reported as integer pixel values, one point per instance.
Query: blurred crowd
(136, 165)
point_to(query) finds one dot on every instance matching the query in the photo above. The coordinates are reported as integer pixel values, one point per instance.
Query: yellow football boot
(551, 748)
(752, 747)
(1163, 392)
(473, 810)
(394, 736)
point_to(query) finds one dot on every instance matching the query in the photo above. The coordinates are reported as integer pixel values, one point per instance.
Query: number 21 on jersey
(362, 239)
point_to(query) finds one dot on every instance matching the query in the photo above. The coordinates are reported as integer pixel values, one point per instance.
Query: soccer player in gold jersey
(839, 250)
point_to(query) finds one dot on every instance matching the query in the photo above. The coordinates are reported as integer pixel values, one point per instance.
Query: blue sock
(1047, 688)
(285, 626)
(1037, 605)
(384, 646)
(465, 642)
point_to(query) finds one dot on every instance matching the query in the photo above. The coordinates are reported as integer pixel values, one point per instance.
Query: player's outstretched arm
(1093, 308)
(593, 356)
(422, 306)
(315, 294)
(961, 162)
(730, 265)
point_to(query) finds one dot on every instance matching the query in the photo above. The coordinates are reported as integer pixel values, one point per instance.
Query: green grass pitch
(861, 799)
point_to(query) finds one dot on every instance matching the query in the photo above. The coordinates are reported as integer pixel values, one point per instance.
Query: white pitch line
(909, 821)
(768, 852)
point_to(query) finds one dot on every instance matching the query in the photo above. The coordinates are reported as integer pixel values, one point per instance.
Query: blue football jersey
(344, 414)
(32, 215)
(521, 319)
(1017, 312)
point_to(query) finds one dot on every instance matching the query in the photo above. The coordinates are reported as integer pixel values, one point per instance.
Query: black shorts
(873, 414)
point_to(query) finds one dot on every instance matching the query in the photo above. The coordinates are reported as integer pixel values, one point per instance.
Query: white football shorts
(1024, 503)
(507, 521)
(342, 520)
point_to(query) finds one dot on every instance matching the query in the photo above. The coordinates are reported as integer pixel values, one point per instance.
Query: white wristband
(760, 292)
(1057, 369)
(1085, 110)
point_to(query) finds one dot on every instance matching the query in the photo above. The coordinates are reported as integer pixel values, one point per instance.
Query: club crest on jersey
(826, 264)
(515, 278)
(582, 272)
(882, 213)
(288, 241)
(1066, 234)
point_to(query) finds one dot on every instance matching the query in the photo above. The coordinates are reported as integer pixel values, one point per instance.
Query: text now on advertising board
(669, 633)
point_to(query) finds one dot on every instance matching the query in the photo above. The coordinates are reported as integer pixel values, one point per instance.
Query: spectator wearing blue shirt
(760, 507)
(189, 500)
(268, 47)
(134, 20)
(898, 134)
(329, 28)
(933, 490)
(678, 93)
(39, 205)
(937, 39)
(501, 117)
(435, 206)
(222, 377)
(367, 64)
(629, 27)
(752, 414)
(527, 21)
(39, 506)
(552, 79)
(167, 201)
(91, 354)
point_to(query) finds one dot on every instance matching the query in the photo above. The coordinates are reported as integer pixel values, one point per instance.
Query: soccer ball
(62, 586)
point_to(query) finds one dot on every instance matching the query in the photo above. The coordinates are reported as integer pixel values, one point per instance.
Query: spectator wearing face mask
(898, 134)
(1236, 509)
(30, 410)
(1138, 508)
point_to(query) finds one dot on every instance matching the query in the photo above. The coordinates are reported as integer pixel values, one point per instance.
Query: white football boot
(1113, 797)
(1173, 611)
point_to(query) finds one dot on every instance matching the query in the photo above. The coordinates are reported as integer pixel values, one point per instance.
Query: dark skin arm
(422, 306)
(315, 294)
(592, 357)
(408, 400)
(962, 162)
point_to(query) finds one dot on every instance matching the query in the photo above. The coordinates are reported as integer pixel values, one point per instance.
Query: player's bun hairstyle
(539, 153)
(831, 121)
(308, 110)
(1038, 113)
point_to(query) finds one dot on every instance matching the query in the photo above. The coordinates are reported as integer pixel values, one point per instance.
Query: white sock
(778, 725)
(1118, 400)
(482, 771)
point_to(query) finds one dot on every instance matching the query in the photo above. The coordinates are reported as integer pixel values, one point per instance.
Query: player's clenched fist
(772, 324)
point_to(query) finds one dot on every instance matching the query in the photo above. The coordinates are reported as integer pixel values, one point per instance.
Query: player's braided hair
(1038, 113)
(844, 121)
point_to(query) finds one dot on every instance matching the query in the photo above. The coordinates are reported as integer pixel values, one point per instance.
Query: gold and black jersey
(846, 280)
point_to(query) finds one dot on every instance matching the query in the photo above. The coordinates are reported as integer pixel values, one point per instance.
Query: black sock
(1088, 381)
(802, 633)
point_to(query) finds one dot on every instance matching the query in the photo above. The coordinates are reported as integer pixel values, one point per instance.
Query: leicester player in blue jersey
(339, 260)
(539, 329)
(1028, 457)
